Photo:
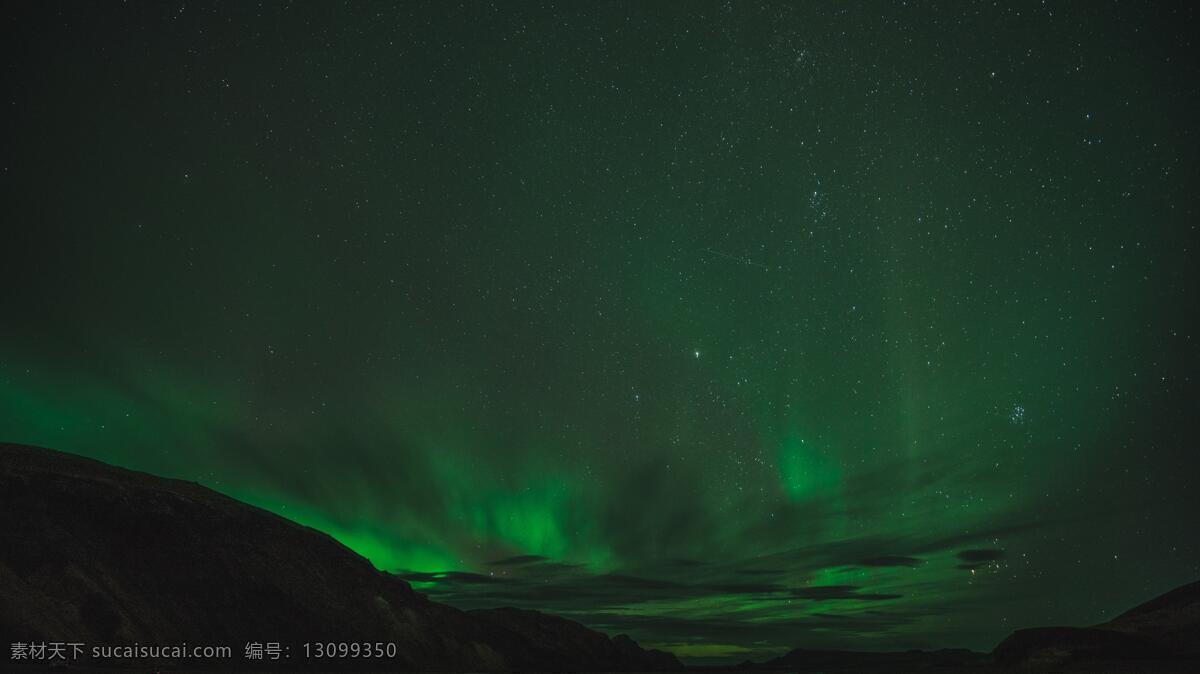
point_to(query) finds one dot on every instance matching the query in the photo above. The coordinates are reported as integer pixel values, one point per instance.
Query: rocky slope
(1170, 621)
(1164, 631)
(95, 554)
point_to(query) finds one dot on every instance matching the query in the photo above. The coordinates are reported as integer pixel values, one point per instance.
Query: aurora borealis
(733, 326)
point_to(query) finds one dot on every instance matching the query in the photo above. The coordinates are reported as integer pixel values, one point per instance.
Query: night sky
(733, 326)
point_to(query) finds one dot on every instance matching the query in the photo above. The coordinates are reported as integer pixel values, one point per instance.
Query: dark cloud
(518, 560)
(826, 592)
(566, 591)
(892, 560)
(450, 577)
(974, 559)
(551, 568)
(634, 582)
(745, 588)
(858, 551)
(974, 556)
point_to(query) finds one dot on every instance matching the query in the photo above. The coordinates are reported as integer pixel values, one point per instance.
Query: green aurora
(735, 327)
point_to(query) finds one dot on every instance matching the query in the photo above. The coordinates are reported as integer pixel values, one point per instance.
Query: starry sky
(732, 326)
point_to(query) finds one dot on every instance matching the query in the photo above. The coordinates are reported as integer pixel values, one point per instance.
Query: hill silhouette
(95, 554)
(1164, 631)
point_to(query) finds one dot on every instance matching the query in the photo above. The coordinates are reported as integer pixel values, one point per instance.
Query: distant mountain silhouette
(97, 554)
(1164, 630)
(805, 660)
(1170, 621)
(1161, 635)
